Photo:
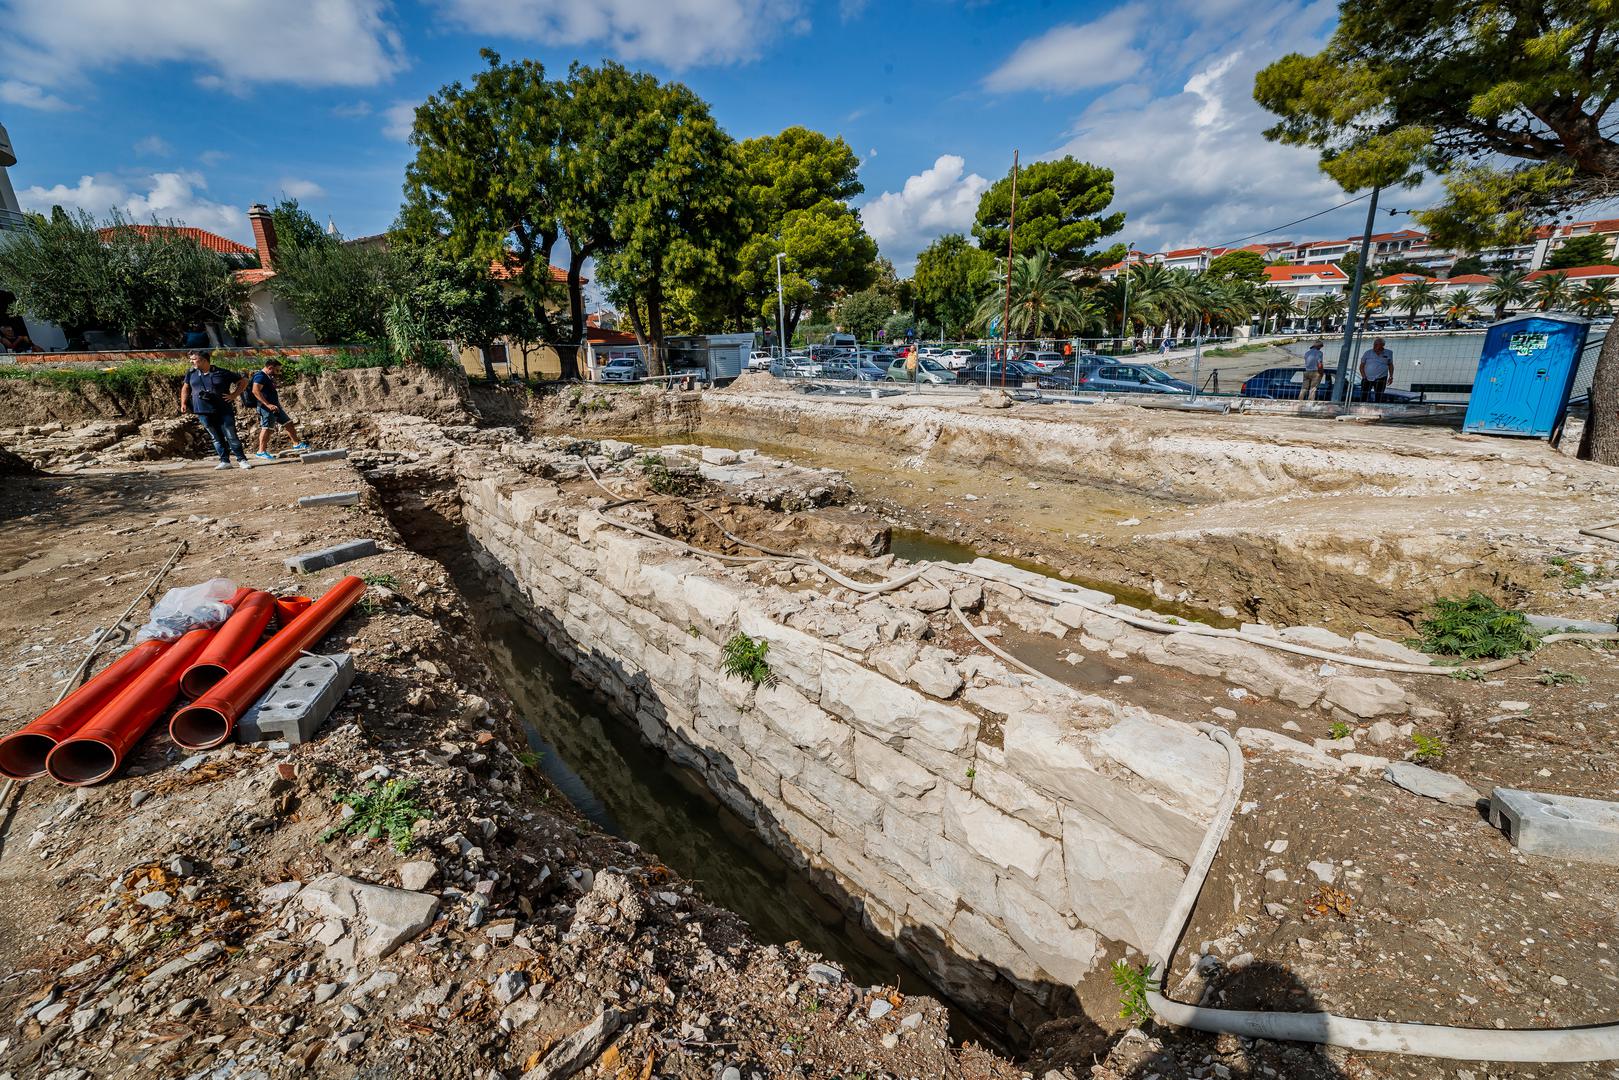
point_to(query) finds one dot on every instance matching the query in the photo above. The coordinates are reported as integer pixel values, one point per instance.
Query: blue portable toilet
(1525, 375)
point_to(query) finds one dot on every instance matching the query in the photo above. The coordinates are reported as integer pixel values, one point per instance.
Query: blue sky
(192, 109)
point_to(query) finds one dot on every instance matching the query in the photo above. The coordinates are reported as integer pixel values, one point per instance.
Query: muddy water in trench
(630, 789)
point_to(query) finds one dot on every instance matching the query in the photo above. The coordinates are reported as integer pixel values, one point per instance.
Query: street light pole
(1342, 392)
(781, 313)
(1124, 317)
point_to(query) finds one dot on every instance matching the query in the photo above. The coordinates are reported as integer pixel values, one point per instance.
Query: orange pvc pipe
(239, 595)
(288, 608)
(239, 636)
(209, 721)
(23, 752)
(97, 749)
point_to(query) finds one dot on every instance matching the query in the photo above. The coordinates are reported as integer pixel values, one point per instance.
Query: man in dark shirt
(271, 414)
(211, 394)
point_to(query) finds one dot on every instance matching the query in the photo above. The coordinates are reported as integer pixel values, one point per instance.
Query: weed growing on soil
(1548, 677)
(387, 581)
(126, 379)
(1573, 574)
(370, 605)
(1132, 983)
(378, 810)
(661, 480)
(1467, 674)
(529, 759)
(1476, 628)
(1339, 730)
(745, 658)
(1429, 748)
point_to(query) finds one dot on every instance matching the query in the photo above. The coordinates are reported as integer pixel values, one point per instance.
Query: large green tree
(1239, 265)
(1587, 250)
(1509, 103)
(951, 275)
(1040, 301)
(341, 293)
(863, 313)
(1061, 210)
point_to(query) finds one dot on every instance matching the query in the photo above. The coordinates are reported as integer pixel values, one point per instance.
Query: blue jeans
(221, 428)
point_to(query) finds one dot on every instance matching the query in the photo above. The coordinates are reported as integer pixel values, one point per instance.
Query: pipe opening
(199, 727)
(22, 756)
(200, 678)
(82, 761)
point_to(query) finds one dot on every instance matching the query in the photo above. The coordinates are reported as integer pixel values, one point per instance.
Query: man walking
(271, 414)
(1313, 360)
(1376, 369)
(211, 394)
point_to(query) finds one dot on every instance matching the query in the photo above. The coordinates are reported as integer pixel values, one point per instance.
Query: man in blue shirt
(211, 394)
(271, 414)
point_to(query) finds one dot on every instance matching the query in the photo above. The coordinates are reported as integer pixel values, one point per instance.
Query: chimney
(263, 234)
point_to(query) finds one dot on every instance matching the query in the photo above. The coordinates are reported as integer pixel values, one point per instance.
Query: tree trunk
(1600, 442)
(576, 292)
(634, 312)
(654, 319)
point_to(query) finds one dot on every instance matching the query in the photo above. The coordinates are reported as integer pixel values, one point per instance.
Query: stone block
(314, 456)
(1252, 667)
(847, 800)
(312, 561)
(794, 655)
(336, 498)
(1066, 954)
(890, 712)
(889, 773)
(801, 722)
(959, 874)
(1300, 753)
(375, 920)
(976, 938)
(1431, 784)
(1115, 886)
(298, 703)
(1558, 826)
(1365, 698)
(915, 836)
(998, 838)
(1315, 637)
(1384, 649)
(1006, 791)
(712, 603)
(1187, 769)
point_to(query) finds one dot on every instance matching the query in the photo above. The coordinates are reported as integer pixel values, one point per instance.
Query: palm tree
(1596, 297)
(1042, 301)
(1274, 305)
(1417, 297)
(1552, 292)
(1373, 298)
(1326, 309)
(1509, 289)
(1224, 303)
(1461, 306)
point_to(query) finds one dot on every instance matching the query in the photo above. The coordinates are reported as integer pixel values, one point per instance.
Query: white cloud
(679, 33)
(166, 196)
(296, 188)
(940, 199)
(153, 146)
(1074, 56)
(29, 96)
(352, 109)
(398, 119)
(305, 42)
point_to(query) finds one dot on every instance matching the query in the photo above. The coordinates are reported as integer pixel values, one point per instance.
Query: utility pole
(781, 314)
(1006, 311)
(1341, 392)
(1124, 316)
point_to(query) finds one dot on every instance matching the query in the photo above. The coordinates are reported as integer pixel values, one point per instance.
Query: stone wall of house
(1009, 838)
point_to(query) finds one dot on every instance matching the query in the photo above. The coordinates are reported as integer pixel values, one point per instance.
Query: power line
(1290, 224)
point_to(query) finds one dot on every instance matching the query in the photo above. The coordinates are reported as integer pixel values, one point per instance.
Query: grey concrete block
(296, 705)
(1558, 826)
(336, 498)
(311, 561)
(1554, 623)
(323, 455)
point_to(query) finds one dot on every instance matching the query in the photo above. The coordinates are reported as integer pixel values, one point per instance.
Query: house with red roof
(212, 241)
(1305, 283)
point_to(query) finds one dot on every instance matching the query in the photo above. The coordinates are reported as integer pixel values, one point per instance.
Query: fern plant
(1476, 628)
(381, 809)
(745, 658)
(1132, 982)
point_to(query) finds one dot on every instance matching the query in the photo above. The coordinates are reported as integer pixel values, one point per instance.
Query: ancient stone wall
(1010, 838)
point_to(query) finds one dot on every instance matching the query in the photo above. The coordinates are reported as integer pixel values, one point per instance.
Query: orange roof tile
(1470, 279)
(1326, 271)
(212, 241)
(1600, 270)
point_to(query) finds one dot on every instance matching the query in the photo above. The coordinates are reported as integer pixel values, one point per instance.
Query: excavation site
(636, 732)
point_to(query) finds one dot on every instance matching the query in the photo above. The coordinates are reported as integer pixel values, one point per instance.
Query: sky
(193, 109)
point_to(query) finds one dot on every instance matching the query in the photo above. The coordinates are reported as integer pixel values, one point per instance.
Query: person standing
(1376, 369)
(1313, 361)
(271, 415)
(210, 393)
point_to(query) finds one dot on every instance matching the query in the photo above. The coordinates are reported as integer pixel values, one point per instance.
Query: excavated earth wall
(1009, 840)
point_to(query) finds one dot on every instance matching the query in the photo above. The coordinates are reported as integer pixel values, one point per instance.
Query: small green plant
(971, 772)
(1428, 747)
(1132, 982)
(745, 658)
(1548, 677)
(600, 403)
(387, 581)
(1573, 574)
(1466, 674)
(1339, 730)
(1476, 628)
(381, 810)
(813, 1005)
(661, 479)
(529, 759)
(692, 631)
(370, 605)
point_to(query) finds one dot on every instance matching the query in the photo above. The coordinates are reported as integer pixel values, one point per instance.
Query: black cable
(1290, 224)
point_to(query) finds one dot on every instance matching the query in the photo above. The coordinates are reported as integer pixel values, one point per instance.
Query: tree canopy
(1587, 250)
(1060, 209)
(950, 276)
(1238, 266)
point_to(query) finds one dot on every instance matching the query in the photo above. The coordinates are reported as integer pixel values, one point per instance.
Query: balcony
(11, 219)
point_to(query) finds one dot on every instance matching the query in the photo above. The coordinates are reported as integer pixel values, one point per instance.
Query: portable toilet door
(1525, 375)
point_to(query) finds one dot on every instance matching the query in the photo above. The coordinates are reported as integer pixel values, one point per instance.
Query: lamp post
(1124, 316)
(781, 312)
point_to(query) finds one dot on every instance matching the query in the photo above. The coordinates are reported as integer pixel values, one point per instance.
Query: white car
(956, 359)
(759, 361)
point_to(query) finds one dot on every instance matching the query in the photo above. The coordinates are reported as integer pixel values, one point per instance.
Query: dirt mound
(758, 382)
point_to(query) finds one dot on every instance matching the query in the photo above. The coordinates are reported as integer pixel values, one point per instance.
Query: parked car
(956, 359)
(1045, 361)
(623, 369)
(853, 370)
(760, 361)
(794, 366)
(1111, 377)
(928, 370)
(998, 372)
(1285, 383)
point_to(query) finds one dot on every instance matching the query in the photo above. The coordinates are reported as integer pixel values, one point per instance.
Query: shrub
(1132, 982)
(745, 658)
(381, 809)
(1476, 628)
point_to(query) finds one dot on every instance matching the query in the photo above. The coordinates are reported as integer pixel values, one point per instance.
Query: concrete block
(336, 498)
(322, 455)
(1554, 623)
(296, 704)
(1558, 826)
(311, 561)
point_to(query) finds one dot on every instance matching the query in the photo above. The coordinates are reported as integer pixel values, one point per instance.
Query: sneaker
(244, 464)
(301, 446)
(266, 457)
(222, 465)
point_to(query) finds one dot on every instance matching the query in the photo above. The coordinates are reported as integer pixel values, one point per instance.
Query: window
(1111, 373)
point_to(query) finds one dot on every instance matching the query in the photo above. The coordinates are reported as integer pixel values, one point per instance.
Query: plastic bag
(192, 607)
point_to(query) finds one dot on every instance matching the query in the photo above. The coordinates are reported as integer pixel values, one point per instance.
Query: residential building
(12, 223)
(212, 241)
(1305, 283)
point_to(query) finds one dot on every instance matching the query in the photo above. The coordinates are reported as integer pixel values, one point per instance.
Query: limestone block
(1384, 649)
(381, 918)
(1315, 637)
(1188, 770)
(1103, 627)
(769, 749)
(976, 938)
(959, 874)
(999, 699)
(712, 602)
(527, 502)
(1116, 886)
(1366, 698)
(890, 712)
(1005, 790)
(794, 655)
(805, 835)
(914, 835)
(1066, 954)
(895, 659)
(1300, 753)
(1071, 615)
(847, 800)
(803, 724)
(800, 800)
(889, 773)
(997, 838)
(1249, 666)
(933, 674)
